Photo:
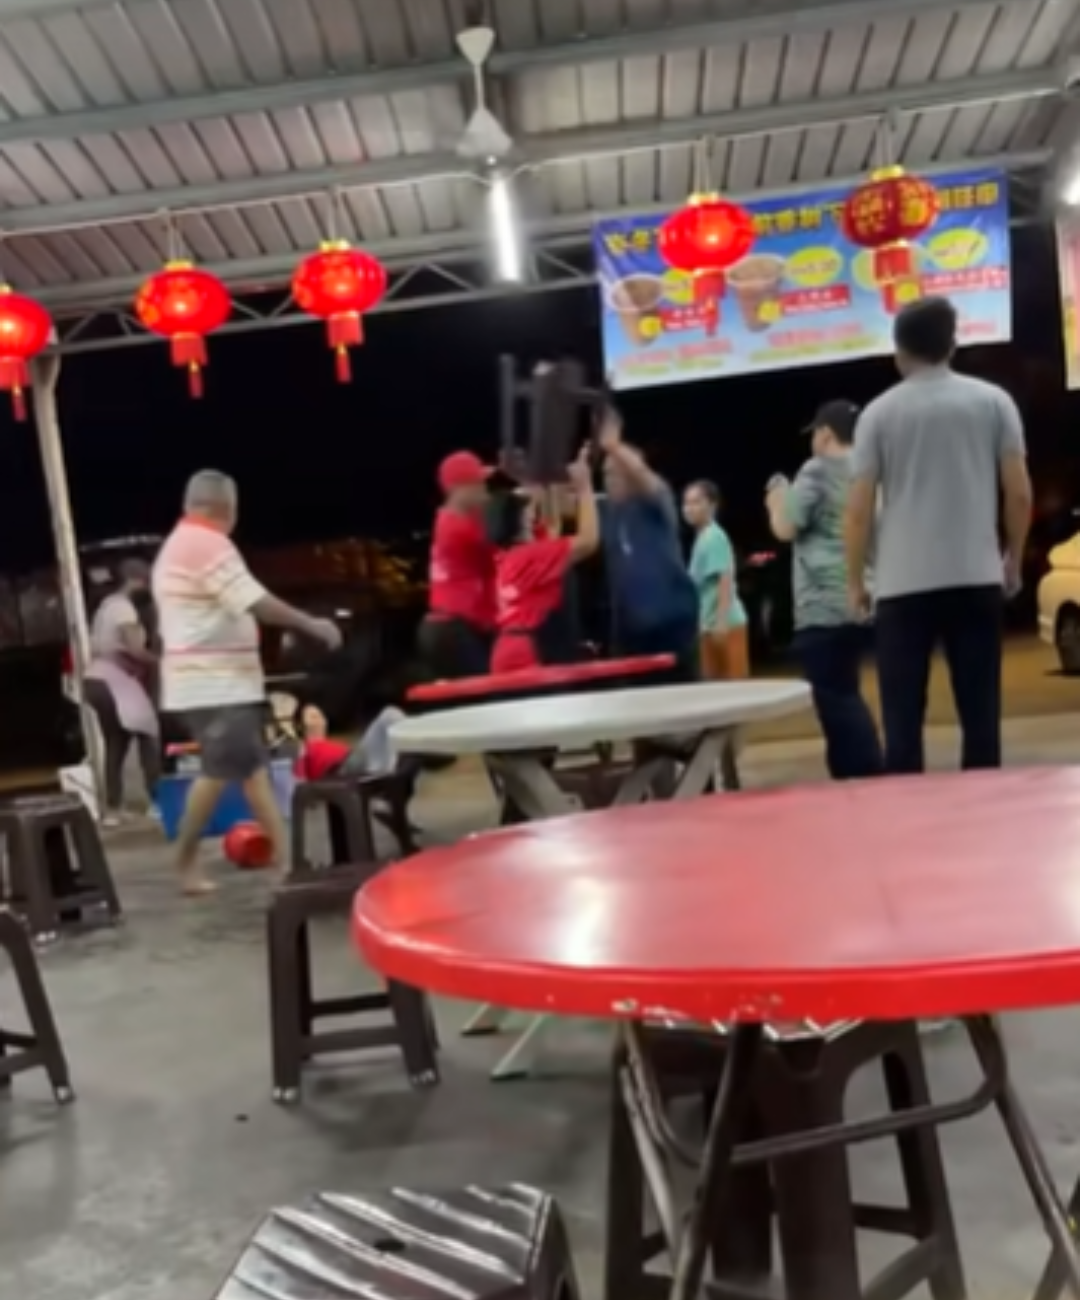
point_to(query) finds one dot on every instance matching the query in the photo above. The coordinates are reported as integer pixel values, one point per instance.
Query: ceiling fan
(484, 139)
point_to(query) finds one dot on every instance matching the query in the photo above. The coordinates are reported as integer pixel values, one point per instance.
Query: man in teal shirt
(724, 642)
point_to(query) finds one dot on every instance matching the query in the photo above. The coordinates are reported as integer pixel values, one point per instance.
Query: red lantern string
(885, 215)
(339, 284)
(25, 327)
(704, 239)
(183, 304)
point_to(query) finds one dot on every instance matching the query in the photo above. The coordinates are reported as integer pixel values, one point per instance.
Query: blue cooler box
(172, 792)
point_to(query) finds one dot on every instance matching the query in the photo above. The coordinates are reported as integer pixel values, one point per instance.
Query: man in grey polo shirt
(941, 449)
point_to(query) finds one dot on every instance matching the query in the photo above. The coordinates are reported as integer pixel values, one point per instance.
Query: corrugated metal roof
(110, 114)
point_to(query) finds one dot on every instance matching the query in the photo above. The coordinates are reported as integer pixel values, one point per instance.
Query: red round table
(894, 899)
(590, 674)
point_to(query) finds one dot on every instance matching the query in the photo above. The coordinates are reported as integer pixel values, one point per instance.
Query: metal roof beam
(784, 19)
(536, 151)
(567, 231)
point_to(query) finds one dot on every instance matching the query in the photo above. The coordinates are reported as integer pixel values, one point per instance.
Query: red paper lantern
(704, 239)
(25, 327)
(183, 305)
(338, 284)
(248, 847)
(885, 214)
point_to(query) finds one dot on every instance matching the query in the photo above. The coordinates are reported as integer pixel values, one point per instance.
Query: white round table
(517, 739)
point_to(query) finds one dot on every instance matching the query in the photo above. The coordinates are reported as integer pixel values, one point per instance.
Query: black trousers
(452, 648)
(966, 623)
(117, 741)
(831, 659)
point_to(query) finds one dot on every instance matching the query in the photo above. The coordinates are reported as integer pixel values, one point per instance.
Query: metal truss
(425, 284)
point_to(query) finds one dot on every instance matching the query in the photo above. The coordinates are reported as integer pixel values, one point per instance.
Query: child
(373, 754)
(530, 570)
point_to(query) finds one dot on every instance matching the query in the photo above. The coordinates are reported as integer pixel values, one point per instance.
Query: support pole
(46, 371)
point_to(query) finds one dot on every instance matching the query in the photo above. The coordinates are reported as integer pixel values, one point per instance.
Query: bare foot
(193, 884)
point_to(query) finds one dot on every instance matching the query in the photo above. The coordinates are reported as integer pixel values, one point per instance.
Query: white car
(1059, 604)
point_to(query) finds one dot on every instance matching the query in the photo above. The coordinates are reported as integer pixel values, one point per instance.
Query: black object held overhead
(555, 395)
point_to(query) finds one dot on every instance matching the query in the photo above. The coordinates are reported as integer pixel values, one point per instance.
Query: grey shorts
(231, 740)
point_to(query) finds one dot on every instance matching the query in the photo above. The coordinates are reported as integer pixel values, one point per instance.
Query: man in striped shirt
(209, 608)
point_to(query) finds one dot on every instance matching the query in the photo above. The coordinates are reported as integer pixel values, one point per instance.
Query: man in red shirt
(455, 636)
(531, 568)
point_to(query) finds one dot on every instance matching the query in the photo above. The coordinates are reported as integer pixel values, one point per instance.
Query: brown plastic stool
(56, 865)
(294, 1008)
(351, 803)
(801, 1086)
(41, 1047)
(498, 1243)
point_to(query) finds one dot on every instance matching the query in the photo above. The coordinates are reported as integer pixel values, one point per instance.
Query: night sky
(317, 460)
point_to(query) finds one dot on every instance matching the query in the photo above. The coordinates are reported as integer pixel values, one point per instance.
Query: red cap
(462, 469)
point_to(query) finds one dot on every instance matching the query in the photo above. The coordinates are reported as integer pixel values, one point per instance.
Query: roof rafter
(567, 231)
(782, 19)
(536, 151)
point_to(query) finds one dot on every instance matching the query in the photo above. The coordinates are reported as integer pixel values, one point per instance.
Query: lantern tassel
(344, 331)
(195, 379)
(189, 351)
(18, 404)
(342, 364)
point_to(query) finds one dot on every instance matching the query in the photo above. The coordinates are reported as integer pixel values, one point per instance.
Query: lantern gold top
(705, 196)
(887, 173)
(178, 264)
(333, 246)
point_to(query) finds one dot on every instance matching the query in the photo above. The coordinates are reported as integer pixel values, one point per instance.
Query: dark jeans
(966, 622)
(452, 648)
(678, 639)
(117, 741)
(831, 658)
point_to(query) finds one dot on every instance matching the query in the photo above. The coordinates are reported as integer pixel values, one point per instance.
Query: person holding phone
(654, 601)
(829, 640)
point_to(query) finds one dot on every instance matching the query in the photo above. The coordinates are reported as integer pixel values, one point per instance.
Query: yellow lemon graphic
(956, 250)
(678, 288)
(814, 267)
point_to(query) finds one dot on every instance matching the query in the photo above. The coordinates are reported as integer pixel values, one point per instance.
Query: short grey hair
(210, 490)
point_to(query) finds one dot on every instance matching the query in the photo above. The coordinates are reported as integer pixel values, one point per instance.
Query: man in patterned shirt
(209, 608)
(809, 513)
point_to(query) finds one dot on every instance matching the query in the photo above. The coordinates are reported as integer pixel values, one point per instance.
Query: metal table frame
(528, 782)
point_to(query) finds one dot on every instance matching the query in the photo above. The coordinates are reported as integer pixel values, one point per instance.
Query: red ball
(248, 847)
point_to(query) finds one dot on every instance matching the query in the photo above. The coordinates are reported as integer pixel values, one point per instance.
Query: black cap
(839, 416)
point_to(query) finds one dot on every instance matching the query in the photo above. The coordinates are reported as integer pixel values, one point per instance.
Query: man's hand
(859, 600)
(609, 431)
(326, 631)
(580, 471)
(1014, 578)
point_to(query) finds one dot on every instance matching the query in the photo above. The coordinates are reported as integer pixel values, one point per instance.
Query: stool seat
(294, 1009)
(502, 1243)
(56, 865)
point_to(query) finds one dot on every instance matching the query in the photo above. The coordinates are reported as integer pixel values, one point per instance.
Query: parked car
(1058, 600)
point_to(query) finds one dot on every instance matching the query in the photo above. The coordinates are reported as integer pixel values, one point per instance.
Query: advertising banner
(804, 295)
(1068, 247)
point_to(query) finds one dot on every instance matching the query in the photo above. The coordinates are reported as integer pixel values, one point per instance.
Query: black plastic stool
(499, 1243)
(351, 804)
(801, 1085)
(294, 1008)
(56, 865)
(41, 1048)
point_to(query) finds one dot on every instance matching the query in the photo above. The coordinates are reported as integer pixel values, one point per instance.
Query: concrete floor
(147, 1187)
